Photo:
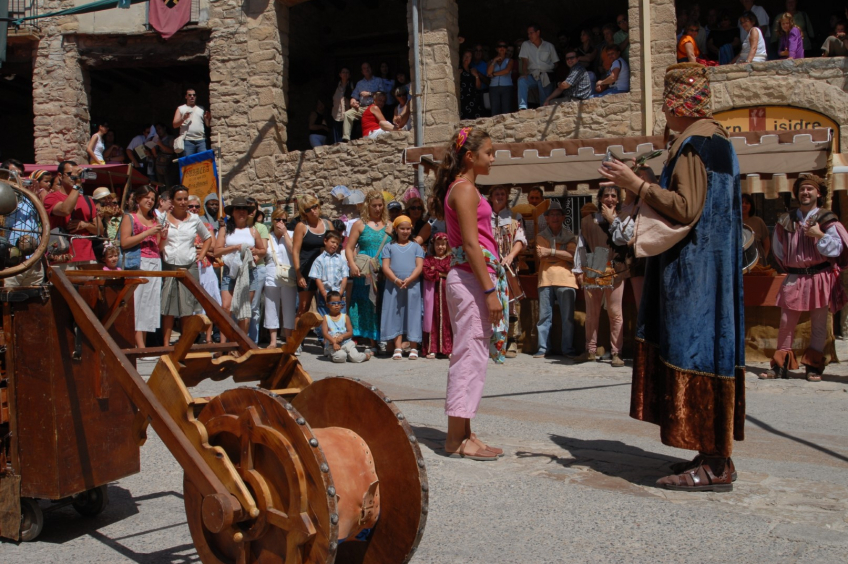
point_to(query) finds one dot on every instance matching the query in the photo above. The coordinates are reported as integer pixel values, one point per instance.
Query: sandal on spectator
(398, 355)
(413, 354)
(482, 454)
(498, 451)
(431, 356)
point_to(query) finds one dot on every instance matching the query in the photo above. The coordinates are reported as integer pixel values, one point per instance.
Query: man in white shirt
(363, 96)
(762, 20)
(191, 119)
(538, 59)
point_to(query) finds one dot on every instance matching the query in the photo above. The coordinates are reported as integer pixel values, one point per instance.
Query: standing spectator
(801, 19)
(608, 39)
(723, 40)
(363, 96)
(754, 46)
(257, 221)
(166, 170)
(510, 239)
(139, 162)
(206, 272)
(622, 36)
(598, 255)
(341, 104)
(479, 68)
(501, 88)
(555, 249)
(113, 153)
(307, 245)
(280, 298)
(587, 53)
(470, 98)
(374, 123)
(576, 86)
(176, 242)
(329, 272)
(42, 184)
(211, 210)
(438, 336)
(790, 43)
(164, 204)
(762, 237)
(190, 119)
(538, 61)
(387, 85)
(761, 22)
(140, 236)
(421, 228)
(70, 210)
(474, 292)
(97, 145)
(370, 234)
(687, 49)
(337, 331)
(235, 236)
(836, 45)
(401, 119)
(808, 243)
(107, 210)
(617, 80)
(403, 261)
(318, 129)
(395, 209)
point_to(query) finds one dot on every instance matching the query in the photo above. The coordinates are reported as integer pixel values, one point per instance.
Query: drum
(749, 249)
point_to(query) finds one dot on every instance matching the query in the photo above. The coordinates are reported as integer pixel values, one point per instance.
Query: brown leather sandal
(700, 479)
(490, 448)
(482, 455)
(681, 467)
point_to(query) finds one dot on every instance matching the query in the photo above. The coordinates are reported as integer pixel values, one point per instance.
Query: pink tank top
(484, 227)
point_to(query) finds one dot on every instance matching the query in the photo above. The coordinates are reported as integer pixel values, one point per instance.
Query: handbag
(653, 234)
(376, 262)
(283, 274)
(131, 258)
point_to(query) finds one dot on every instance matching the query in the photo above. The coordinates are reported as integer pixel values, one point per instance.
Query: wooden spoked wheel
(277, 457)
(35, 227)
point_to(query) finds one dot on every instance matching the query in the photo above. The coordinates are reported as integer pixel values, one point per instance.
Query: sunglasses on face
(242, 208)
(313, 208)
(416, 208)
(335, 303)
(193, 207)
(279, 219)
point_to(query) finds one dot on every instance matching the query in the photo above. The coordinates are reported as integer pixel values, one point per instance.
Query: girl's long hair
(787, 17)
(451, 166)
(139, 193)
(365, 213)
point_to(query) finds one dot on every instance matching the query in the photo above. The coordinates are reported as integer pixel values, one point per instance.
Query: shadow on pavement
(768, 428)
(530, 393)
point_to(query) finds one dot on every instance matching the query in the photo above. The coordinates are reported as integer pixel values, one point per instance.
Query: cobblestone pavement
(576, 484)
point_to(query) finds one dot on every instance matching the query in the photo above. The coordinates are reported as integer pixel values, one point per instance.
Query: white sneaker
(298, 351)
(148, 358)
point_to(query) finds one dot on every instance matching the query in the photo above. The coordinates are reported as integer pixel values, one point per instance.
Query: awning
(769, 162)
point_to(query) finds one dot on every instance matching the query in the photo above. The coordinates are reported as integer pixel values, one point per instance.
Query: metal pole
(647, 70)
(416, 95)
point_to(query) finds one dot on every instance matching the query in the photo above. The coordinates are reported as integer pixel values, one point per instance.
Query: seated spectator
(762, 21)
(374, 123)
(790, 41)
(801, 19)
(318, 129)
(402, 82)
(363, 96)
(754, 45)
(687, 49)
(622, 36)
(538, 61)
(836, 45)
(341, 103)
(337, 331)
(723, 41)
(388, 86)
(501, 87)
(470, 97)
(114, 153)
(401, 119)
(617, 80)
(586, 51)
(576, 85)
(608, 39)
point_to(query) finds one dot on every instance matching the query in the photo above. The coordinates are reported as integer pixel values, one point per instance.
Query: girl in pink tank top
(475, 295)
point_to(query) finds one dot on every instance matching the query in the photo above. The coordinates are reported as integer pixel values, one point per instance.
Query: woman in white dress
(280, 299)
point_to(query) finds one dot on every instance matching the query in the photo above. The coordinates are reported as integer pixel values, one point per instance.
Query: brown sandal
(498, 451)
(483, 455)
(681, 467)
(700, 479)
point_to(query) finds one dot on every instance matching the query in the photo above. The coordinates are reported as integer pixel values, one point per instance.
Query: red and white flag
(169, 16)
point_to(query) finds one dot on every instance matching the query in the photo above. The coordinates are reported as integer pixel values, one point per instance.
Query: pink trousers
(594, 298)
(469, 317)
(789, 320)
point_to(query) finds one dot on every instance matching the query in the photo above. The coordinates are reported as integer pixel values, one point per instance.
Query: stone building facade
(245, 45)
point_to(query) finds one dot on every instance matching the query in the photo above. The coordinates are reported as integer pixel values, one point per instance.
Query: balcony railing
(23, 9)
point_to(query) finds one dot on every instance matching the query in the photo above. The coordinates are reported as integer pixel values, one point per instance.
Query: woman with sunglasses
(236, 233)
(280, 300)
(420, 226)
(307, 245)
(501, 87)
(179, 253)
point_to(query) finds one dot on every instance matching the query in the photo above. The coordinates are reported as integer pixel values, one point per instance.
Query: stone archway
(811, 94)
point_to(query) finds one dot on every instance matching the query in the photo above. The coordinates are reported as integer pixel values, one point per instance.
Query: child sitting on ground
(403, 261)
(337, 331)
(438, 336)
(330, 272)
(111, 256)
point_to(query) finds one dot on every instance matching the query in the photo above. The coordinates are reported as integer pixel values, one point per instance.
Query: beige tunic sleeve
(684, 200)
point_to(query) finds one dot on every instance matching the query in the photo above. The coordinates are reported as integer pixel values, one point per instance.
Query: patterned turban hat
(687, 90)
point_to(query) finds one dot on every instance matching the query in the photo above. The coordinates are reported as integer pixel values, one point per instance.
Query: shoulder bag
(131, 258)
(376, 261)
(653, 234)
(284, 273)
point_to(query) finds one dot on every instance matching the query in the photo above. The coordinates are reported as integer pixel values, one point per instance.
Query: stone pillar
(439, 59)
(59, 93)
(247, 50)
(663, 52)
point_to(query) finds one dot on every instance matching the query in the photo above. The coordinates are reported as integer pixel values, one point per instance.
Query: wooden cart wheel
(91, 502)
(278, 458)
(32, 519)
(39, 231)
(363, 409)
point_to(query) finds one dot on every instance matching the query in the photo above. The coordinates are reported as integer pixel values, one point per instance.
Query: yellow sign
(774, 118)
(200, 179)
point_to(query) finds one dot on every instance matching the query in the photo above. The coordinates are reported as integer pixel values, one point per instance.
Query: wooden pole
(127, 187)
